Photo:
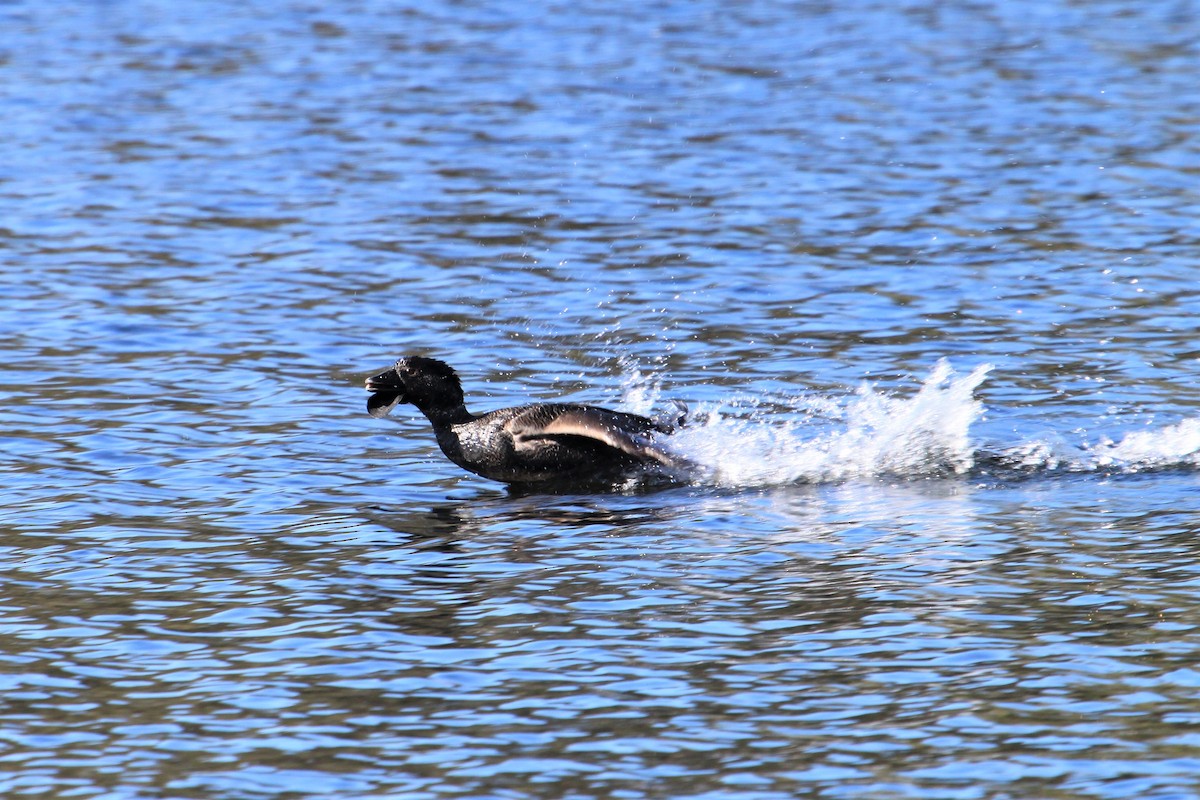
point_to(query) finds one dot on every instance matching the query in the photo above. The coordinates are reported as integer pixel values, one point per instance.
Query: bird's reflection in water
(452, 555)
(566, 505)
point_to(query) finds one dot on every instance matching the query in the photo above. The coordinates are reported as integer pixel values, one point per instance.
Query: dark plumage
(546, 442)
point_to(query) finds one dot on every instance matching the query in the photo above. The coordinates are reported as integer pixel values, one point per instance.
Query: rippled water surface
(926, 274)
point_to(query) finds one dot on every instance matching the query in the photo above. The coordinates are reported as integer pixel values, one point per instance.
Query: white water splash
(639, 391)
(867, 435)
(1176, 445)
(816, 439)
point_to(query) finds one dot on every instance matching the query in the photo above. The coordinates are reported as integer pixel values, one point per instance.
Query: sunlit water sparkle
(900, 574)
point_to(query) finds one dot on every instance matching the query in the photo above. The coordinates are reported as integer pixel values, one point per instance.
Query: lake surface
(926, 275)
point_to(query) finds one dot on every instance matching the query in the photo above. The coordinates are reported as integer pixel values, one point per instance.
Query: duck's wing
(628, 433)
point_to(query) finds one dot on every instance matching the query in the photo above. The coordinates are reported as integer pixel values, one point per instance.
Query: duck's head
(425, 382)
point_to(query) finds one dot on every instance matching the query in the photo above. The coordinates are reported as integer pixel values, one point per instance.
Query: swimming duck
(544, 442)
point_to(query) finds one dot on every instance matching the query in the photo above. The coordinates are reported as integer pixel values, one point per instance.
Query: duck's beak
(387, 392)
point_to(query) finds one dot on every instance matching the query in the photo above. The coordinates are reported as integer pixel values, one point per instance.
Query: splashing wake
(872, 434)
(1171, 446)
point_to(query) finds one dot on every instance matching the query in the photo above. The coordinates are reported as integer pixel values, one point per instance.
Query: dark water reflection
(222, 579)
(794, 640)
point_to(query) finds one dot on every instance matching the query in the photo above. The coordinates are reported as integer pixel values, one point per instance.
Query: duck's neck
(445, 416)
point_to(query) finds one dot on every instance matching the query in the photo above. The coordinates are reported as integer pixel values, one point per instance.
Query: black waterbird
(531, 444)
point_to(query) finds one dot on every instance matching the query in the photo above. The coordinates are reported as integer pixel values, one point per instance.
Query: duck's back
(553, 442)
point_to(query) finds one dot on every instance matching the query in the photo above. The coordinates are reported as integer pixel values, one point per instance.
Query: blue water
(924, 273)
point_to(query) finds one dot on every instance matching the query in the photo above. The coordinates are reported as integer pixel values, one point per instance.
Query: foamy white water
(872, 434)
(864, 435)
(1174, 445)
